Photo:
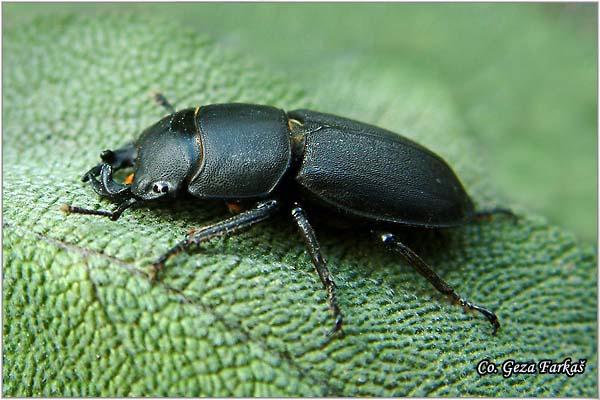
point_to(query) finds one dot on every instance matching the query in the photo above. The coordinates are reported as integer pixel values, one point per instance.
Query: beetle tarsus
(390, 240)
(314, 249)
(491, 317)
(160, 263)
(337, 327)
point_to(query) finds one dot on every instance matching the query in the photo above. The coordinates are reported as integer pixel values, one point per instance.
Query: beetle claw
(337, 327)
(489, 315)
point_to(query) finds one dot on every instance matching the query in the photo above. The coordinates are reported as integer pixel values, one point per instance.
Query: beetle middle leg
(390, 240)
(320, 265)
(233, 225)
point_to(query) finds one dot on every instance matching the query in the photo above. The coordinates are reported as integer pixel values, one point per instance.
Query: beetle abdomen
(375, 174)
(246, 151)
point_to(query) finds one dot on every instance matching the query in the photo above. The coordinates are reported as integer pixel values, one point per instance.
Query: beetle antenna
(113, 215)
(80, 210)
(162, 101)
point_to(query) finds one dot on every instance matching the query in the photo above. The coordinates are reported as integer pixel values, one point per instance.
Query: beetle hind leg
(390, 240)
(320, 265)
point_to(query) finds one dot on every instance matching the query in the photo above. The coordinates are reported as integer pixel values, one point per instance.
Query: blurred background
(522, 78)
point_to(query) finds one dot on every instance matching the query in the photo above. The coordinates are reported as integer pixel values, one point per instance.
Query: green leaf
(246, 316)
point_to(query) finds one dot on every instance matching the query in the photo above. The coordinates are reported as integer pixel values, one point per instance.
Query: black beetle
(284, 161)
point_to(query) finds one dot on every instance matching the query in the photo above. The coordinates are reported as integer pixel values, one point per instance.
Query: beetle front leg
(308, 234)
(390, 240)
(233, 225)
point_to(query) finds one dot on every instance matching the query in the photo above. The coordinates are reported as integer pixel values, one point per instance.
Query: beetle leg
(162, 101)
(308, 234)
(261, 212)
(389, 239)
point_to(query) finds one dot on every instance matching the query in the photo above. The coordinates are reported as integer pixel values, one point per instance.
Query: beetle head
(167, 153)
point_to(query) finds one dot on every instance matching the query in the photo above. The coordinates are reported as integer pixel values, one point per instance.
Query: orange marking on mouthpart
(128, 180)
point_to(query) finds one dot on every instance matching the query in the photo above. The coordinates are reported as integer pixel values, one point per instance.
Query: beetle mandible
(285, 162)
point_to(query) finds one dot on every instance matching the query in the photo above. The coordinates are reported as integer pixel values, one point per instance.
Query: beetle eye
(160, 188)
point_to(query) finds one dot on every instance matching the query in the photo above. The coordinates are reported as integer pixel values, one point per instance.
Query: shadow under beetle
(283, 162)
